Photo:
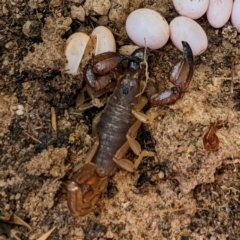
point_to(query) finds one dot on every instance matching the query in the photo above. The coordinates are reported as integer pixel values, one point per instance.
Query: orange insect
(210, 139)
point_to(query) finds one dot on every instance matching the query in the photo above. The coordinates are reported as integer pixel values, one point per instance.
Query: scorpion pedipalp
(180, 76)
(182, 72)
(105, 62)
(97, 82)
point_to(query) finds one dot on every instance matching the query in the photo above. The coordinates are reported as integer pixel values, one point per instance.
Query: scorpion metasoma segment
(115, 128)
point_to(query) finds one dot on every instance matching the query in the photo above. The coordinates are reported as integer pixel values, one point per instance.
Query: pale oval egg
(191, 8)
(103, 40)
(80, 47)
(186, 29)
(146, 24)
(219, 12)
(75, 47)
(127, 49)
(235, 18)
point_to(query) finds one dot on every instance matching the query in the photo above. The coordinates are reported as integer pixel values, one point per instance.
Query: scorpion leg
(136, 148)
(91, 153)
(145, 118)
(81, 106)
(132, 143)
(142, 117)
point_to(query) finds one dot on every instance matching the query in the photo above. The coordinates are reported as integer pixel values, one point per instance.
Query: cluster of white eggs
(20, 110)
(80, 47)
(218, 11)
(146, 27)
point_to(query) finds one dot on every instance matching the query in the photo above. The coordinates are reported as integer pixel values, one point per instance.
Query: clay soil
(184, 192)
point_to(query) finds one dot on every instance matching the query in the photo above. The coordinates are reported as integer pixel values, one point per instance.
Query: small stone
(161, 175)
(78, 13)
(19, 112)
(7, 207)
(33, 4)
(109, 234)
(31, 28)
(103, 20)
(20, 107)
(18, 195)
(55, 3)
(10, 45)
(76, 1)
(13, 2)
(99, 7)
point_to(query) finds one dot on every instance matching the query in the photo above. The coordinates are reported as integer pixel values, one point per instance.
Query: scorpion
(115, 128)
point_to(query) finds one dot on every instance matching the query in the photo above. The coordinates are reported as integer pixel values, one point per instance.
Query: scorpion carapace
(115, 128)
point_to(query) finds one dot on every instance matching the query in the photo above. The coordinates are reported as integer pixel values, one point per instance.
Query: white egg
(103, 40)
(219, 12)
(146, 24)
(80, 47)
(20, 107)
(128, 49)
(75, 47)
(19, 112)
(186, 29)
(235, 18)
(191, 8)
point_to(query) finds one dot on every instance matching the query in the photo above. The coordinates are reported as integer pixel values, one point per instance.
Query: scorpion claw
(166, 97)
(180, 77)
(96, 82)
(187, 52)
(106, 62)
(181, 74)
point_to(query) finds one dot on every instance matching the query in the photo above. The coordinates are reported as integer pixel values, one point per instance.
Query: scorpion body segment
(116, 119)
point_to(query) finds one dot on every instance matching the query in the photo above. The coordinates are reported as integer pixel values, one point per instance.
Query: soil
(184, 192)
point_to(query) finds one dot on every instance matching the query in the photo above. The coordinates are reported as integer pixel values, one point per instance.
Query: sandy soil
(188, 193)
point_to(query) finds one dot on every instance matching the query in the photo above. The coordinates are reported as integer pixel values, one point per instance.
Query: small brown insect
(210, 139)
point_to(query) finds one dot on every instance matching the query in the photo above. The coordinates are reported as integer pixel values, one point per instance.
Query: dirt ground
(188, 193)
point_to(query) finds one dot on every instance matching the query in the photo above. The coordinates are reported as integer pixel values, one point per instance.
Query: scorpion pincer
(115, 128)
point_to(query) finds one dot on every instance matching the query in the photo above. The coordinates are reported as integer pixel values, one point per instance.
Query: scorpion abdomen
(116, 119)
